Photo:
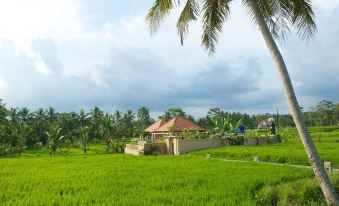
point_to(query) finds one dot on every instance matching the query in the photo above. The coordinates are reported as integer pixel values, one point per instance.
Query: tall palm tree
(82, 118)
(24, 115)
(96, 117)
(40, 123)
(52, 115)
(274, 19)
(13, 115)
(55, 138)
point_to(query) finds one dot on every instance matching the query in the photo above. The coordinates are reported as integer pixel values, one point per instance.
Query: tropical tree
(172, 112)
(24, 115)
(84, 138)
(20, 132)
(274, 19)
(82, 118)
(3, 112)
(143, 120)
(13, 115)
(52, 116)
(55, 138)
(40, 123)
(106, 131)
(96, 116)
(68, 123)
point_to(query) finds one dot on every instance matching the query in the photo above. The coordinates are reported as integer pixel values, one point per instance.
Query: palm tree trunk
(313, 156)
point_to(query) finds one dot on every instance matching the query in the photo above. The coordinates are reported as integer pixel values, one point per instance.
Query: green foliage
(107, 179)
(20, 132)
(291, 151)
(55, 138)
(84, 138)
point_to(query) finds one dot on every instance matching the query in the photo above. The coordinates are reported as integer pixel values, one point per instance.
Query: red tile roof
(155, 125)
(181, 124)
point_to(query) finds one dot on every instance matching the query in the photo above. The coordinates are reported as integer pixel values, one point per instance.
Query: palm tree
(96, 117)
(24, 115)
(82, 118)
(40, 123)
(274, 19)
(51, 115)
(20, 132)
(13, 115)
(106, 131)
(84, 138)
(54, 138)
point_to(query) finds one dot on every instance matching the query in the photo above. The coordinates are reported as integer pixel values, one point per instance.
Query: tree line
(20, 128)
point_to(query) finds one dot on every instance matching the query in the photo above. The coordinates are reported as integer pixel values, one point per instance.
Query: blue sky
(81, 54)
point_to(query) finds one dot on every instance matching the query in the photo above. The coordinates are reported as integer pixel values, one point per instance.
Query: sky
(80, 54)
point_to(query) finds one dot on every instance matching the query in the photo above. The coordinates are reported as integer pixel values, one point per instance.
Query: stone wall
(183, 146)
(132, 149)
(177, 146)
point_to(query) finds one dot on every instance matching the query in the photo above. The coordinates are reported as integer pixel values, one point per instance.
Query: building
(172, 128)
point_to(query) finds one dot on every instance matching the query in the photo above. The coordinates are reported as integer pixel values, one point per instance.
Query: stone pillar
(328, 166)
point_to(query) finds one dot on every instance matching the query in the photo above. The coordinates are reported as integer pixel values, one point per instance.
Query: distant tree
(55, 138)
(106, 131)
(82, 118)
(52, 115)
(68, 122)
(84, 138)
(13, 115)
(128, 123)
(95, 119)
(143, 119)
(20, 133)
(40, 123)
(172, 112)
(24, 115)
(118, 126)
(326, 112)
(3, 112)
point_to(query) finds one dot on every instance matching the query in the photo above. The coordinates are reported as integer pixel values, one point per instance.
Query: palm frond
(303, 18)
(215, 13)
(280, 15)
(157, 13)
(189, 13)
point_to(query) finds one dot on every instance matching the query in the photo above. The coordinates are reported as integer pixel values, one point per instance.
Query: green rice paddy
(71, 178)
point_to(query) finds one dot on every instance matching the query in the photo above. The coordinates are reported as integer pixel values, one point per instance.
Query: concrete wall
(183, 146)
(178, 146)
(132, 149)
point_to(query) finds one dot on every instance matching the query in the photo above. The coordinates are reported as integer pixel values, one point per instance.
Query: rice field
(72, 178)
(148, 180)
(290, 151)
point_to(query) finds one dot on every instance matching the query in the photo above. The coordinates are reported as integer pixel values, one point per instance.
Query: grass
(291, 151)
(132, 180)
(72, 178)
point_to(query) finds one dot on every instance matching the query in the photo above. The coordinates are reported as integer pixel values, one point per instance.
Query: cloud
(74, 55)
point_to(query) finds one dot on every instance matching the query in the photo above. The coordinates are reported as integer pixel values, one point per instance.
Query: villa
(172, 128)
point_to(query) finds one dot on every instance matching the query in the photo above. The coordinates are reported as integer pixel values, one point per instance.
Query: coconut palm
(20, 133)
(51, 115)
(40, 123)
(84, 138)
(13, 115)
(24, 115)
(82, 118)
(55, 138)
(274, 19)
(96, 117)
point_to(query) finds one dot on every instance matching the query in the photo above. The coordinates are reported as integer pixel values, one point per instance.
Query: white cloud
(115, 62)
(327, 5)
